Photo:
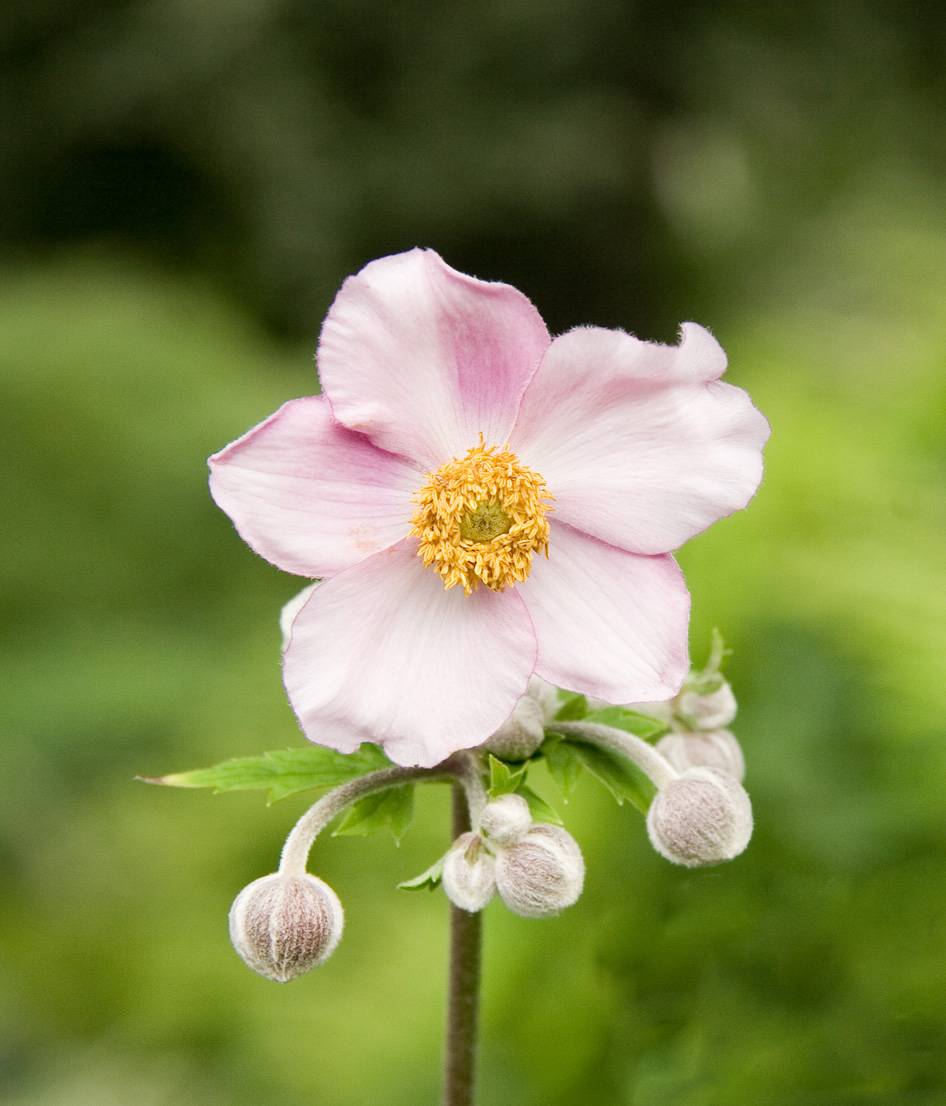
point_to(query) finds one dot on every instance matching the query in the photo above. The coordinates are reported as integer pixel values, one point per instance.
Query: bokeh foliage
(183, 187)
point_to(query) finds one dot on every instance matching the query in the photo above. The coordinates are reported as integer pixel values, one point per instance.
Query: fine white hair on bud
(505, 819)
(283, 925)
(469, 873)
(545, 694)
(712, 710)
(704, 749)
(542, 873)
(702, 817)
(521, 734)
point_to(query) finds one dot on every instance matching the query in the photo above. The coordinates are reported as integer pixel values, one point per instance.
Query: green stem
(655, 766)
(464, 985)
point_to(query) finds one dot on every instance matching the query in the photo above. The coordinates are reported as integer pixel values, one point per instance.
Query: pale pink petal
(639, 443)
(609, 623)
(424, 359)
(381, 652)
(310, 495)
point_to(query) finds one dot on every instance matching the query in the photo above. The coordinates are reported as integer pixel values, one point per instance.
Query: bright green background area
(140, 634)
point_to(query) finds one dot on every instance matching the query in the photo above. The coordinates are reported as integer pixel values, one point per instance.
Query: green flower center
(486, 521)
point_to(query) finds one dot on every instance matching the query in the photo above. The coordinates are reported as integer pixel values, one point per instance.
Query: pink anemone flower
(482, 504)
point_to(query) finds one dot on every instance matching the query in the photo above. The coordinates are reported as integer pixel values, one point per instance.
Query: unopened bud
(542, 873)
(468, 875)
(704, 749)
(702, 817)
(521, 734)
(505, 819)
(284, 925)
(712, 710)
(545, 694)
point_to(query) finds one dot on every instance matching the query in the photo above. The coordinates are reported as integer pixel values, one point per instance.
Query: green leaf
(541, 811)
(621, 777)
(391, 809)
(281, 773)
(503, 778)
(428, 880)
(563, 762)
(573, 706)
(642, 725)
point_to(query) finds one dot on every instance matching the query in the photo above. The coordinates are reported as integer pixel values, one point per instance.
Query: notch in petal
(423, 358)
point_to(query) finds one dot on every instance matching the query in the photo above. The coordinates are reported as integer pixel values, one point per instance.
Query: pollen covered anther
(480, 518)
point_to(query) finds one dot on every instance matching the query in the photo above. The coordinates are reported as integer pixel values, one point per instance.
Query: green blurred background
(182, 188)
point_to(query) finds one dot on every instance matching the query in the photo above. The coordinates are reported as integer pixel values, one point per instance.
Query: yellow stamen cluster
(480, 518)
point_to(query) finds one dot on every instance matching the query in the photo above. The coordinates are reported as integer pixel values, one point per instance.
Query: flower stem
(655, 766)
(464, 984)
(461, 766)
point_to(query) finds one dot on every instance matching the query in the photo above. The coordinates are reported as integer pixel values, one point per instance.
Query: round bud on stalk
(284, 925)
(702, 817)
(704, 749)
(468, 875)
(521, 734)
(542, 873)
(505, 819)
(707, 711)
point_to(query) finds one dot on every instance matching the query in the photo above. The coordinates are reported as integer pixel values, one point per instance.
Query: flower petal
(609, 623)
(639, 443)
(310, 495)
(381, 652)
(423, 359)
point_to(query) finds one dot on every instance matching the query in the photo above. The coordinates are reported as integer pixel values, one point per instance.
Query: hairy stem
(655, 766)
(461, 766)
(464, 981)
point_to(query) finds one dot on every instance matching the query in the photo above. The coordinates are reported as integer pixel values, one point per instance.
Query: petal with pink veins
(423, 359)
(382, 653)
(609, 623)
(640, 444)
(310, 495)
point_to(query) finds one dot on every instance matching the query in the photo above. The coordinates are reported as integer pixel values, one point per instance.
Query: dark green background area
(183, 187)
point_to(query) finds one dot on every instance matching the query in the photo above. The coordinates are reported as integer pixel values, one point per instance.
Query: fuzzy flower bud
(702, 817)
(284, 925)
(468, 875)
(711, 710)
(542, 873)
(545, 694)
(522, 733)
(704, 749)
(505, 819)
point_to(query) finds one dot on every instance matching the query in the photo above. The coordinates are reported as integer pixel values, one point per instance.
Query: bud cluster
(698, 717)
(537, 869)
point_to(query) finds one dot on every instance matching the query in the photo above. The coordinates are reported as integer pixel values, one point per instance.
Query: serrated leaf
(540, 810)
(631, 721)
(429, 880)
(282, 772)
(563, 762)
(572, 707)
(503, 778)
(391, 809)
(623, 779)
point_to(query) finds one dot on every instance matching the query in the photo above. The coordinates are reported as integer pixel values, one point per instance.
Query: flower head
(283, 925)
(483, 505)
